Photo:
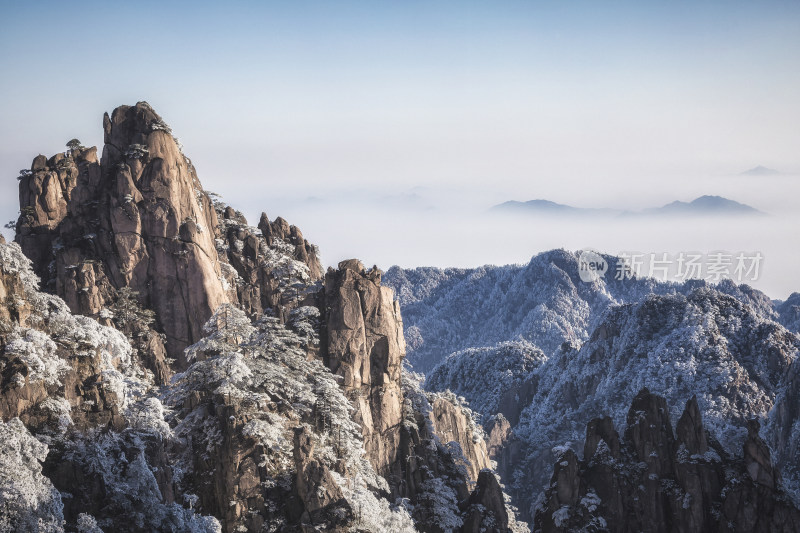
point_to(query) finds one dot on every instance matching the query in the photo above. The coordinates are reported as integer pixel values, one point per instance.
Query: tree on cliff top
(74, 144)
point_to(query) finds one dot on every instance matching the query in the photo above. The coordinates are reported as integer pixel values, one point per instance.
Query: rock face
(427, 448)
(50, 361)
(316, 487)
(486, 508)
(499, 436)
(365, 346)
(271, 268)
(451, 424)
(656, 481)
(435, 479)
(780, 427)
(137, 218)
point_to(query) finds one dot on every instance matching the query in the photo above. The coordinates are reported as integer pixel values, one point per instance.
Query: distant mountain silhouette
(760, 171)
(704, 205)
(546, 207)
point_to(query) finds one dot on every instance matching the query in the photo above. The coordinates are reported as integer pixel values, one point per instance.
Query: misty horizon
(404, 123)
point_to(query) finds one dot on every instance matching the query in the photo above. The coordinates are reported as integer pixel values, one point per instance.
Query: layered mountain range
(164, 366)
(708, 205)
(539, 354)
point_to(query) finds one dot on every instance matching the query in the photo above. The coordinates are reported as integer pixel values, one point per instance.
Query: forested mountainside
(574, 351)
(544, 302)
(164, 366)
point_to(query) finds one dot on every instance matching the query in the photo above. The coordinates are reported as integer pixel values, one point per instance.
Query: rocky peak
(649, 431)
(365, 346)
(427, 448)
(499, 435)
(601, 430)
(757, 457)
(303, 250)
(657, 484)
(486, 508)
(266, 270)
(138, 218)
(565, 479)
(690, 431)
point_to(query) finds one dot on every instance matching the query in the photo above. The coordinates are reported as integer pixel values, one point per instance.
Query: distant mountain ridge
(702, 206)
(548, 207)
(705, 205)
(760, 171)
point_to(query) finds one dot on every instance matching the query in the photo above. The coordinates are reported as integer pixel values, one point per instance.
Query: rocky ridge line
(654, 480)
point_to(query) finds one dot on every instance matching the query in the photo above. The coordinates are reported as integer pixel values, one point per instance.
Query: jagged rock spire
(657, 483)
(138, 218)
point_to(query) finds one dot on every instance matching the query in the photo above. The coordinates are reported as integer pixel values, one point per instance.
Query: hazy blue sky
(619, 103)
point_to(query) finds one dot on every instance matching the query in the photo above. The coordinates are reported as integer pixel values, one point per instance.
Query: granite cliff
(655, 480)
(164, 366)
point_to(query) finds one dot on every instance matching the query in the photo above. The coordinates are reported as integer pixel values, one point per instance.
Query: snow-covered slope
(708, 344)
(544, 302)
(789, 312)
(84, 428)
(586, 349)
(489, 378)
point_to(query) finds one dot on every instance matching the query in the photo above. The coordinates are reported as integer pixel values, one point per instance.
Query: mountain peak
(139, 219)
(706, 205)
(760, 171)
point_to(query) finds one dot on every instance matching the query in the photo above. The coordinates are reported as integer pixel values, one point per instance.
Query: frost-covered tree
(266, 385)
(120, 465)
(127, 311)
(226, 330)
(28, 500)
(231, 325)
(87, 524)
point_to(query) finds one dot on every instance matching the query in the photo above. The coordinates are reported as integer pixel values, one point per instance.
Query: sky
(385, 130)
